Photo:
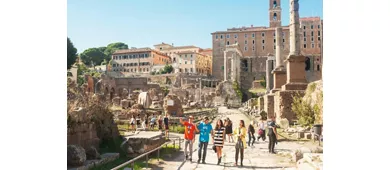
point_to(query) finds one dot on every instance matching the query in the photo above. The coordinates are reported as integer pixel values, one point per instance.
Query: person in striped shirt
(219, 139)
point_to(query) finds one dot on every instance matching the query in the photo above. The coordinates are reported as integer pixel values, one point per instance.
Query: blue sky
(143, 23)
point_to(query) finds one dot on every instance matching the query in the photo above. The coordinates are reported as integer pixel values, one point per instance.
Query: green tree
(111, 48)
(92, 55)
(167, 69)
(71, 54)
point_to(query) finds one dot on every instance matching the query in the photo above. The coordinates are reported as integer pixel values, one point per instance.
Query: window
(274, 47)
(253, 35)
(312, 39)
(235, 36)
(319, 33)
(312, 27)
(221, 36)
(318, 67)
(253, 48)
(274, 34)
(191, 55)
(216, 36)
(246, 49)
(312, 45)
(253, 41)
(274, 40)
(227, 43)
(147, 69)
(304, 34)
(275, 17)
(185, 62)
(304, 27)
(186, 55)
(262, 34)
(146, 55)
(304, 45)
(191, 62)
(312, 33)
(246, 35)
(275, 4)
(283, 40)
(283, 34)
(246, 42)
(263, 47)
(304, 39)
(318, 26)
(228, 36)
(263, 41)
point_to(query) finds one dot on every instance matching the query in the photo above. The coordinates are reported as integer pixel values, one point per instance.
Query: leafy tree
(92, 55)
(71, 54)
(167, 69)
(111, 48)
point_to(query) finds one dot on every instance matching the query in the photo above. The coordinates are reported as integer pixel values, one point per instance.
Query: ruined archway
(307, 64)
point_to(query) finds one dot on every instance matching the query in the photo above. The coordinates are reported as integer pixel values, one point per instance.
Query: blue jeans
(204, 146)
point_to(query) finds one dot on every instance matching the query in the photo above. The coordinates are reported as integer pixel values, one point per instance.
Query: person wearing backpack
(261, 131)
(251, 134)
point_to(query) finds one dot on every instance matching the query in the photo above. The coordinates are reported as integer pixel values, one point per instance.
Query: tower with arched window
(275, 11)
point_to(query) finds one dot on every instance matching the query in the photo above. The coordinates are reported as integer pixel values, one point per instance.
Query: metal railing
(146, 155)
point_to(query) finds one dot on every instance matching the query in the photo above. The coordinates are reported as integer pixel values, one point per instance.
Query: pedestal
(296, 75)
(269, 105)
(280, 78)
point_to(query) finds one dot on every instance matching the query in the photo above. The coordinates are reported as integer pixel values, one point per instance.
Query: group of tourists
(161, 123)
(223, 129)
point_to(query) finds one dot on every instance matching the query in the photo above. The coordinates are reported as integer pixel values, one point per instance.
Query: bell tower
(275, 11)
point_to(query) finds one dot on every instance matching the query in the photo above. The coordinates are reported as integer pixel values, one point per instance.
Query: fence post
(147, 160)
(158, 155)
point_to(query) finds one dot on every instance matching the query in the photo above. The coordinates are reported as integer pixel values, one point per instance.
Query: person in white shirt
(261, 132)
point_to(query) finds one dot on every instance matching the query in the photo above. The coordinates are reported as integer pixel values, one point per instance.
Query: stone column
(224, 66)
(278, 50)
(296, 75)
(294, 28)
(233, 68)
(269, 77)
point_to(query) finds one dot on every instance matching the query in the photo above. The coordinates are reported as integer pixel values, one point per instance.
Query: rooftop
(146, 49)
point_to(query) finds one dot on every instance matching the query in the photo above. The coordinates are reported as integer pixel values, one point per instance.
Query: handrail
(146, 154)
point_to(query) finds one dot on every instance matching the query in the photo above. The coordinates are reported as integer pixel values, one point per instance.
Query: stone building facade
(191, 62)
(138, 60)
(257, 43)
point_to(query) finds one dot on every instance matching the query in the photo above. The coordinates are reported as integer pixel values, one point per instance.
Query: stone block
(269, 105)
(300, 135)
(307, 135)
(283, 104)
(279, 78)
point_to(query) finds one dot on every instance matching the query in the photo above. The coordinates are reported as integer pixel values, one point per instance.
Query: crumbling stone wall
(283, 104)
(176, 109)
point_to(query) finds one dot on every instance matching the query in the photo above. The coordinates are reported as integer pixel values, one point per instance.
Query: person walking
(160, 124)
(166, 126)
(205, 129)
(261, 131)
(189, 136)
(132, 122)
(138, 120)
(240, 134)
(251, 133)
(229, 129)
(219, 139)
(272, 135)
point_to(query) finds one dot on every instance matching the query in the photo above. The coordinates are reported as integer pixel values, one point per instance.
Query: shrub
(305, 114)
(236, 88)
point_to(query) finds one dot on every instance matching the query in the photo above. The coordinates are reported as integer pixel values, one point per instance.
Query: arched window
(275, 17)
(227, 43)
(318, 67)
(275, 4)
